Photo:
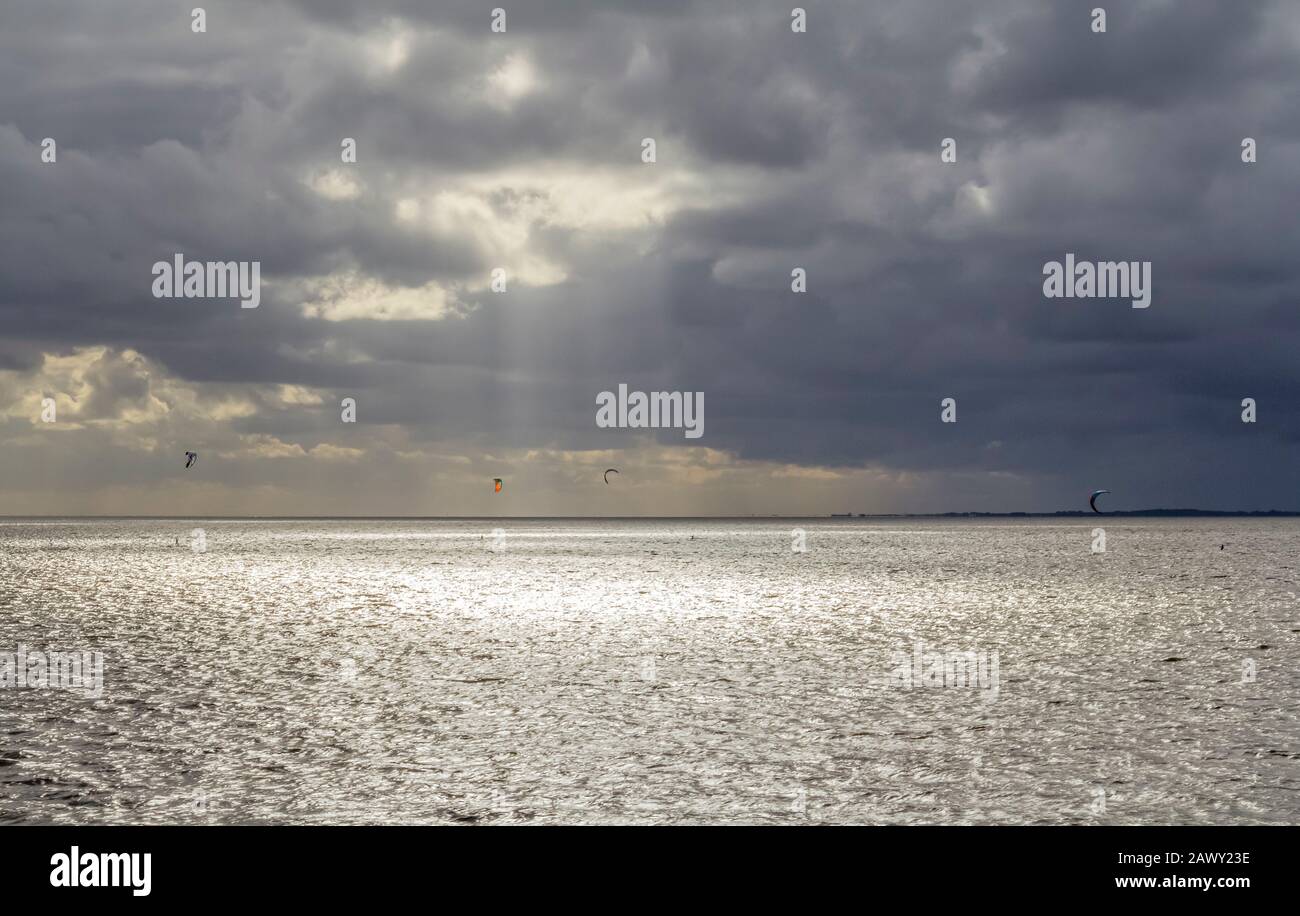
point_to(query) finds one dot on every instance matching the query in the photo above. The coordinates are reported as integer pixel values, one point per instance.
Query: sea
(624, 671)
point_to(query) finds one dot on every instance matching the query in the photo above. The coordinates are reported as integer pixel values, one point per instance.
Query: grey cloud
(817, 150)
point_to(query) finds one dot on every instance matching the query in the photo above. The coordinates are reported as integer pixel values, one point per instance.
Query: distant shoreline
(1084, 513)
(1072, 513)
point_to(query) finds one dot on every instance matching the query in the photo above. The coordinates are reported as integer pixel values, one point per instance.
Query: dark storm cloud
(776, 150)
(1153, 55)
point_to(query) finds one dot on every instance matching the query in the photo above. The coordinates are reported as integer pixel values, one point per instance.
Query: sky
(522, 151)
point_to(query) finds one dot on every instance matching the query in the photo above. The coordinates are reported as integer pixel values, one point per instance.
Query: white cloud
(335, 184)
(349, 296)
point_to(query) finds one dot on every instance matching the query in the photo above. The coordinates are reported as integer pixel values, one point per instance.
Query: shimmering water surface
(588, 671)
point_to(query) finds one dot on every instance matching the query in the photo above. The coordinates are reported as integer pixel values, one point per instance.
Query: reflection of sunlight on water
(666, 671)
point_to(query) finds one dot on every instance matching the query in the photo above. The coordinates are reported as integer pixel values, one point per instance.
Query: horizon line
(850, 516)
